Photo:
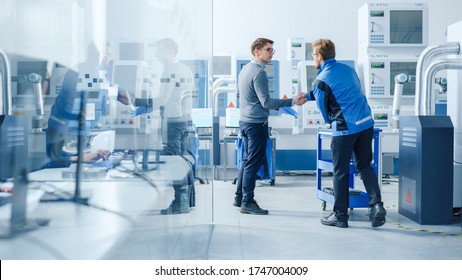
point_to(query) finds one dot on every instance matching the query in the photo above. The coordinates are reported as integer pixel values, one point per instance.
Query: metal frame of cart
(358, 199)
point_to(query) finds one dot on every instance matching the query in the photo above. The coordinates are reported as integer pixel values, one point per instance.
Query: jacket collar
(326, 63)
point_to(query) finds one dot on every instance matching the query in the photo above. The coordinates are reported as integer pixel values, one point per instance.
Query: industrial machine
(30, 89)
(454, 86)
(223, 67)
(13, 139)
(391, 37)
(299, 51)
(143, 131)
(425, 175)
(396, 24)
(421, 198)
(14, 157)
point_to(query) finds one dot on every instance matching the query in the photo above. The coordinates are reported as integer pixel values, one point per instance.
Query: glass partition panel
(97, 121)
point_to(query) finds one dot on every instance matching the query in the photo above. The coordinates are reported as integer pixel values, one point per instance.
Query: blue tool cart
(358, 199)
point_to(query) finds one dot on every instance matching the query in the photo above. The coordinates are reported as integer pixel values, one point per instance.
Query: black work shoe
(237, 203)
(377, 214)
(332, 220)
(253, 208)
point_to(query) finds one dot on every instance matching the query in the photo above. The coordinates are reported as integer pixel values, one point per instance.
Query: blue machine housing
(14, 143)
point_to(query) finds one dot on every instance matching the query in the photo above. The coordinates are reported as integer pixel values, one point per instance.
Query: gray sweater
(254, 97)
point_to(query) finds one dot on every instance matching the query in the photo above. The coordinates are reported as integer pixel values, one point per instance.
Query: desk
(77, 231)
(228, 139)
(173, 169)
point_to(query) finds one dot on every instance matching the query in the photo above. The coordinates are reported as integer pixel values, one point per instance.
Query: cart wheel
(351, 208)
(272, 183)
(323, 206)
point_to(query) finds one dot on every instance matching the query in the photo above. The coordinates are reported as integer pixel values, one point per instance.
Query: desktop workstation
(82, 210)
(116, 199)
(115, 196)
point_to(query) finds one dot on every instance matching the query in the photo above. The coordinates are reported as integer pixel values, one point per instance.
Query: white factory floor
(292, 230)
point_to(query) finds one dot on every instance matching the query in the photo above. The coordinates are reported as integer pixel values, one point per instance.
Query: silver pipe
(7, 99)
(216, 92)
(424, 59)
(224, 80)
(36, 81)
(400, 79)
(220, 82)
(429, 76)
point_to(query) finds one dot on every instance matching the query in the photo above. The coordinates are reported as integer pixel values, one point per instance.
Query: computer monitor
(232, 118)
(129, 75)
(202, 117)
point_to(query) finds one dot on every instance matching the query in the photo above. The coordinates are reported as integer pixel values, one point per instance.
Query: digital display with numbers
(377, 13)
(377, 64)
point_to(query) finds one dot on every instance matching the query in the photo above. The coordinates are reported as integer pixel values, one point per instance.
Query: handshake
(143, 106)
(300, 99)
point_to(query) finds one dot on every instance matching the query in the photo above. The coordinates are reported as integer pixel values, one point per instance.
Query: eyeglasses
(270, 50)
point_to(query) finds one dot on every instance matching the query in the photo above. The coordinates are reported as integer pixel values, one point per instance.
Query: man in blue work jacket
(339, 97)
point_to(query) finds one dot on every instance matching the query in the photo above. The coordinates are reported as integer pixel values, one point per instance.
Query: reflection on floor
(292, 230)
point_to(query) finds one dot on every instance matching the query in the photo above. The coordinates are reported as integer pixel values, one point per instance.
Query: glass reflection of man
(175, 95)
(62, 114)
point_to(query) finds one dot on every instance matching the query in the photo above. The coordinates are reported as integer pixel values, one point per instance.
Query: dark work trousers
(55, 140)
(177, 138)
(255, 137)
(359, 144)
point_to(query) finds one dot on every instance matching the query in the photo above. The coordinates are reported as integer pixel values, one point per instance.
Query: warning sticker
(408, 199)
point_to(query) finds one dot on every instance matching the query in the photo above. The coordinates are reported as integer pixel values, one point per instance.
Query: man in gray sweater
(255, 106)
